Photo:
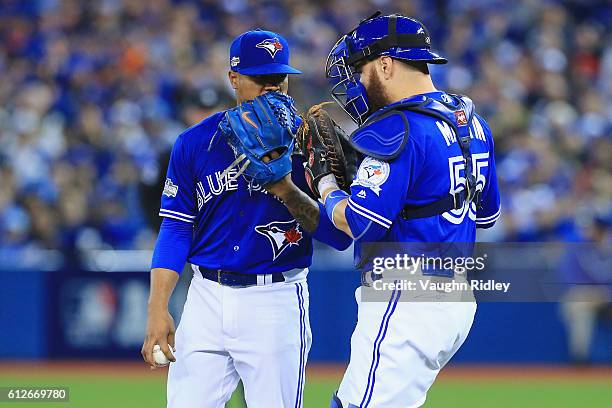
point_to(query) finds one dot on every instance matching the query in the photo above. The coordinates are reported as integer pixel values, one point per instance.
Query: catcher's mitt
(326, 148)
(256, 129)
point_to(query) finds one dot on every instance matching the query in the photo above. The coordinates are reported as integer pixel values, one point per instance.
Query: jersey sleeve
(179, 197)
(490, 210)
(377, 194)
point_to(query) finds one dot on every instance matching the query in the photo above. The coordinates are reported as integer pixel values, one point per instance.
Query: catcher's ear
(386, 66)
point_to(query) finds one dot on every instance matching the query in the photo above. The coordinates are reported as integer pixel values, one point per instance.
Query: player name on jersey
(449, 134)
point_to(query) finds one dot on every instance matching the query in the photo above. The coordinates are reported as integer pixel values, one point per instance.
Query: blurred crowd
(93, 94)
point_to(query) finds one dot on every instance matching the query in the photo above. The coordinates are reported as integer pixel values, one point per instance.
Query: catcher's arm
(339, 209)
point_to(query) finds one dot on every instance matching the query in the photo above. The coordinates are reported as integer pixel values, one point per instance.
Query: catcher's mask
(395, 35)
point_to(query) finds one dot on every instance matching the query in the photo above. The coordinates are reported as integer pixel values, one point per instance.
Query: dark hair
(272, 79)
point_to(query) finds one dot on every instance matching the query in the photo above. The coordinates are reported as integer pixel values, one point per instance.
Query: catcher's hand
(326, 148)
(261, 133)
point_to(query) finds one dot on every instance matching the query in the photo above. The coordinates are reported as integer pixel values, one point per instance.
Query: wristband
(332, 200)
(326, 183)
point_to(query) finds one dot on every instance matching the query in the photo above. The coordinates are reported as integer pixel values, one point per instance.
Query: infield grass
(90, 390)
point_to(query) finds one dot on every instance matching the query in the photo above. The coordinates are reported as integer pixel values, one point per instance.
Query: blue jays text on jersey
(430, 165)
(236, 227)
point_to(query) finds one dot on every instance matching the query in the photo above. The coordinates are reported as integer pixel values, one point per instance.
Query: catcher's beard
(377, 97)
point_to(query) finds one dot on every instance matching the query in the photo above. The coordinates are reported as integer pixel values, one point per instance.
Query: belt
(240, 280)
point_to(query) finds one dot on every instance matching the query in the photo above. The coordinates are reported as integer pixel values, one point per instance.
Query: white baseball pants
(260, 334)
(398, 349)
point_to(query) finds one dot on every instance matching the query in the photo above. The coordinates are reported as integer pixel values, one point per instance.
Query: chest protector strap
(383, 137)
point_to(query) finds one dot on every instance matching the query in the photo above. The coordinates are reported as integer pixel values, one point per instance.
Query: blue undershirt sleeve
(173, 245)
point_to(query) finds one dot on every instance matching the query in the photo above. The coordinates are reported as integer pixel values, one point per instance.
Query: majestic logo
(361, 194)
(372, 174)
(170, 189)
(272, 45)
(461, 118)
(245, 116)
(234, 61)
(281, 234)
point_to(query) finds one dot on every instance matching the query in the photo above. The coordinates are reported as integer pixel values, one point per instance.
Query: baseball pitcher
(427, 175)
(246, 313)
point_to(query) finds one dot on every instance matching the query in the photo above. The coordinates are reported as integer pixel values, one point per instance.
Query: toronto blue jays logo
(373, 170)
(372, 174)
(281, 234)
(272, 45)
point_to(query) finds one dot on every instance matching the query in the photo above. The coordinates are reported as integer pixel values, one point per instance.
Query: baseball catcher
(426, 176)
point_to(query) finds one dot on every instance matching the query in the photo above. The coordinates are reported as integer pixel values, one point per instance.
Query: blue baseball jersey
(430, 167)
(235, 227)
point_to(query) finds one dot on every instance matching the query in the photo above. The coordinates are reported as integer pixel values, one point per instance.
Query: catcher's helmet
(394, 35)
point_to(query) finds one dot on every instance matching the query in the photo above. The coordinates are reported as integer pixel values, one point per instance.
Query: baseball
(159, 356)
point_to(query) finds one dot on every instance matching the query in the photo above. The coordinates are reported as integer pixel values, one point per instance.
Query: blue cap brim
(269, 69)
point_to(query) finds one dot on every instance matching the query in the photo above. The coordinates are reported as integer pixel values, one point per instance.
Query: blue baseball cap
(259, 52)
